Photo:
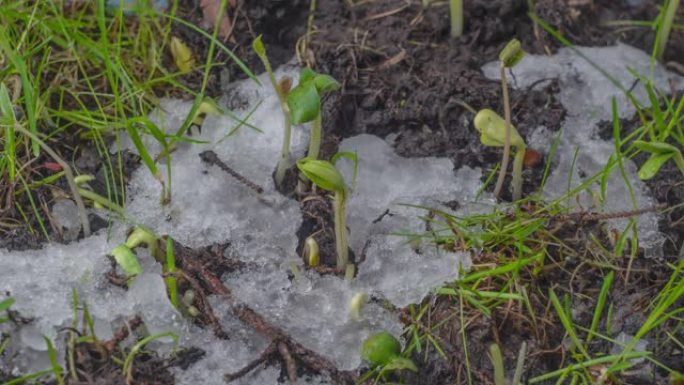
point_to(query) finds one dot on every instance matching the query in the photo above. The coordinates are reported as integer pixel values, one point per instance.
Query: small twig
(122, 333)
(253, 364)
(289, 362)
(213, 159)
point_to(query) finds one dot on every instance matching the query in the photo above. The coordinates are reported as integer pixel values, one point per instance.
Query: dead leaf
(210, 11)
(181, 55)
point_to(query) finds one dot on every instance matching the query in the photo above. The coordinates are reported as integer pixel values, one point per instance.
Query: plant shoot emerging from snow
(493, 133)
(511, 55)
(304, 102)
(282, 89)
(324, 175)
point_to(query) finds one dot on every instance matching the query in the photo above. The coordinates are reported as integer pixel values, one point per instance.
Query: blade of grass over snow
(86, 74)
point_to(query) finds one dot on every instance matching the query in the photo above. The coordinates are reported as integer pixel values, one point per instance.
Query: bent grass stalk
(663, 34)
(281, 90)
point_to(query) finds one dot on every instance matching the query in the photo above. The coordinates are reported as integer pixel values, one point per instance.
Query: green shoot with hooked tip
(324, 175)
(282, 90)
(456, 17)
(511, 55)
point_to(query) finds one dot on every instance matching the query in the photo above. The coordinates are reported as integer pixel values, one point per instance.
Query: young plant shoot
(304, 102)
(324, 175)
(282, 89)
(511, 55)
(493, 132)
(667, 15)
(456, 13)
(383, 352)
(660, 153)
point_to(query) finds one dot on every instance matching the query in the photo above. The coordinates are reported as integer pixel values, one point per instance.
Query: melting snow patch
(586, 94)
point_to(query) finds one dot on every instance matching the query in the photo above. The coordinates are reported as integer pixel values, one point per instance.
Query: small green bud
(192, 311)
(189, 297)
(356, 305)
(512, 54)
(126, 258)
(322, 173)
(258, 47)
(379, 349)
(81, 179)
(492, 128)
(311, 253)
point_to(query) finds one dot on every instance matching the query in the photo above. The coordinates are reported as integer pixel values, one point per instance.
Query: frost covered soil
(210, 207)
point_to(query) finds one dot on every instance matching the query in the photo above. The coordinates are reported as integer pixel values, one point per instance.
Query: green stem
(507, 143)
(341, 243)
(663, 34)
(456, 9)
(102, 200)
(284, 162)
(517, 172)
(315, 141)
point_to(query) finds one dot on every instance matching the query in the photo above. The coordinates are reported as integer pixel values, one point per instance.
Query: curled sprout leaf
(304, 101)
(127, 259)
(182, 55)
(325, 84)
(512, 54)
(492, 130)
(322, 173)
(379, 349)
(660, 153)
(258, 47)
(141, 236)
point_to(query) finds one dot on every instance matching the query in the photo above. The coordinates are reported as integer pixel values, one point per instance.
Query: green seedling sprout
(326, 176)
(304, 103)
(127, 260)
(311, 253)
(667, 16)
(281, 89)
(456, 13)
(141, 236)
(493, 133)
(511, 55)
(660, 153)
(383, 353)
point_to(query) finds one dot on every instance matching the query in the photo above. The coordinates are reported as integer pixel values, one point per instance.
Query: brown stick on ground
(289, 349)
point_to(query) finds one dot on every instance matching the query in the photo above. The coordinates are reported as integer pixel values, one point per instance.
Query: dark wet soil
(404, 79)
